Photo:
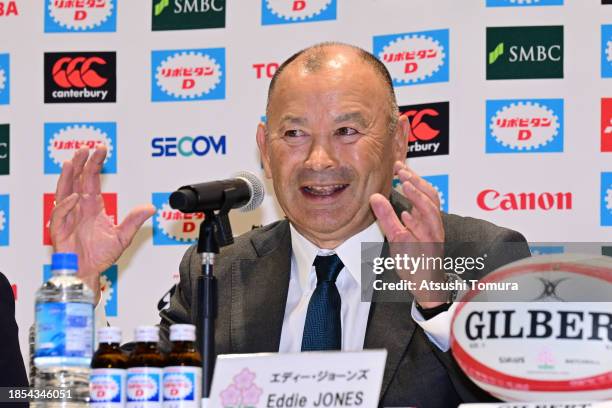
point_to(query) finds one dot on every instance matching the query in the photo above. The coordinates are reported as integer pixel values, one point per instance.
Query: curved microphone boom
(244, 191)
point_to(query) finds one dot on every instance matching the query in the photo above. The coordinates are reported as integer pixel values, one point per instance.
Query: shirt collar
(349, 252)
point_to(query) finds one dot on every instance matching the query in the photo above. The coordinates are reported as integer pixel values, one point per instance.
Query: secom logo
(188, 75)
(4, 219)
(606, 51)
(80, 77)
(188, 146)
(188, 14)
(63, 16)
(524, 126)
(5, 150)
(5, 82)
(523, 3)
(606, 199)
(414, 58)
(62, 139)
(524, 52)
(108, 288)
(172, 227)
(297, 11)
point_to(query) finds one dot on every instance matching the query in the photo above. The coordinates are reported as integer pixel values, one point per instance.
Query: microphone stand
(215, 232)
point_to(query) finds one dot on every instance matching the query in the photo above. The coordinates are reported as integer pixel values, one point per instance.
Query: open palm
(80, 224)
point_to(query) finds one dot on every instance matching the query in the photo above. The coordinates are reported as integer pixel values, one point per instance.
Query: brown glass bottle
(145, 370)
(183, 371)
(108, 374)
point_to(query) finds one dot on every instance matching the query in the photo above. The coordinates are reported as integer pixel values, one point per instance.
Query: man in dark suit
(12, 370)
(332, 143)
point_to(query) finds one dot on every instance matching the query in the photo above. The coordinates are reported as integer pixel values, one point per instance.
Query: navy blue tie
(323, 327)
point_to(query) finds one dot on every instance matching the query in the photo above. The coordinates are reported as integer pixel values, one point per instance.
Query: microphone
(245, 192)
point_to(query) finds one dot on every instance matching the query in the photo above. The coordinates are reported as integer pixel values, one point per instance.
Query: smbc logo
(188, 146)
(189, 6)
(524, 52)
(188, 14)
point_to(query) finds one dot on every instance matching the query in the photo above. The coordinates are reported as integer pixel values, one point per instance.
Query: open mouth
(324, 191)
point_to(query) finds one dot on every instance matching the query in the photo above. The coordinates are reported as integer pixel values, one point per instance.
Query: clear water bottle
(64, 333)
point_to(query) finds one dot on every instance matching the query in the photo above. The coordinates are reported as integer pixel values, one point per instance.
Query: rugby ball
(539, 329)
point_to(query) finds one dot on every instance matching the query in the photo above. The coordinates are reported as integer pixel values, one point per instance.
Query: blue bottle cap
(64, 260)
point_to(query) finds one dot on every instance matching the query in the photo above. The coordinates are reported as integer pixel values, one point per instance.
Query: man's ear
(264, 153)
(400, 138)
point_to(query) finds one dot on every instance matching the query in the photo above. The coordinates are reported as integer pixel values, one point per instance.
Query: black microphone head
(256, 189)
(184, 200)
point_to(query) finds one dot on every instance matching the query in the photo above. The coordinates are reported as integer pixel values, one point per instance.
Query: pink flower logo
(242, 393)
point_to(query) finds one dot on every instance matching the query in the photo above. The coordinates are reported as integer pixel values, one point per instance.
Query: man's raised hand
(418, 232)
(79, 223)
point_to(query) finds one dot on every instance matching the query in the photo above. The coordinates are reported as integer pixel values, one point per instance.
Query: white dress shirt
(354, 313)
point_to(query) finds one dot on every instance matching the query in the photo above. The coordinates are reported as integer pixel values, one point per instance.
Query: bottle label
(107, 387)
(64, 332)
(182, 386)
(144, 387)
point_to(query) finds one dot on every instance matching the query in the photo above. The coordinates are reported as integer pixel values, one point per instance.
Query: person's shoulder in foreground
(12, 370)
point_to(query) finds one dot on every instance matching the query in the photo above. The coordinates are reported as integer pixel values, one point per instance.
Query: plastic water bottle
(64, 333)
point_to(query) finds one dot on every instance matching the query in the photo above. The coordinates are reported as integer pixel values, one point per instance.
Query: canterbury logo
(496, 53)
(419, 129)
(77, 72)
(159, 7)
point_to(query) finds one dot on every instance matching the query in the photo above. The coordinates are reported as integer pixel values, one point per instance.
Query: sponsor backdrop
(510, 103)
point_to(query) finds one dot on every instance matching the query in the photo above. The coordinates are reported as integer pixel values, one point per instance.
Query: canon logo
(491, 200)
(77, 72)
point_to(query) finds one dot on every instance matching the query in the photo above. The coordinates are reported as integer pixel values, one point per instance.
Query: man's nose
(321, 156)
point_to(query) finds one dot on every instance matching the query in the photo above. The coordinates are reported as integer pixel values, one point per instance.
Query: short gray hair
(314, 57)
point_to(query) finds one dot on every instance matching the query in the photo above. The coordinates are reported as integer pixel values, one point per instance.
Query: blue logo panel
(415, 58)
(62, 139)
(188, 75)
(546, 250)
(297, 11)
(606, 199)
(606, 51)
(171, 227)
(440, 183)
(5, 79)
(523, 3)
(4, 220)
(524, 126)
(68, 16)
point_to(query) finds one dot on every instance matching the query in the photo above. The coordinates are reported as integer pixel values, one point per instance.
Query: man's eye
(346, 131)
(293, 133)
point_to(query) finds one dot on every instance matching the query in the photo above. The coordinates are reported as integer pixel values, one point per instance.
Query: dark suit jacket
(253, 281)
(12, 370)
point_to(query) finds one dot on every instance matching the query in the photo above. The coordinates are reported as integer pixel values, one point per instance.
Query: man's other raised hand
(79, 222)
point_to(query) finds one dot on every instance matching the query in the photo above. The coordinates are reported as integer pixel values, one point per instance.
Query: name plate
(298, 380)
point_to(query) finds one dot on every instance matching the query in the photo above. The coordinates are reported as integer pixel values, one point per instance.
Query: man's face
(328, 146)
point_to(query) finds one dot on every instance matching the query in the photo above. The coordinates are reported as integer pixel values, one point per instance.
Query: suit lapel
(259, 292)
(390, 327)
